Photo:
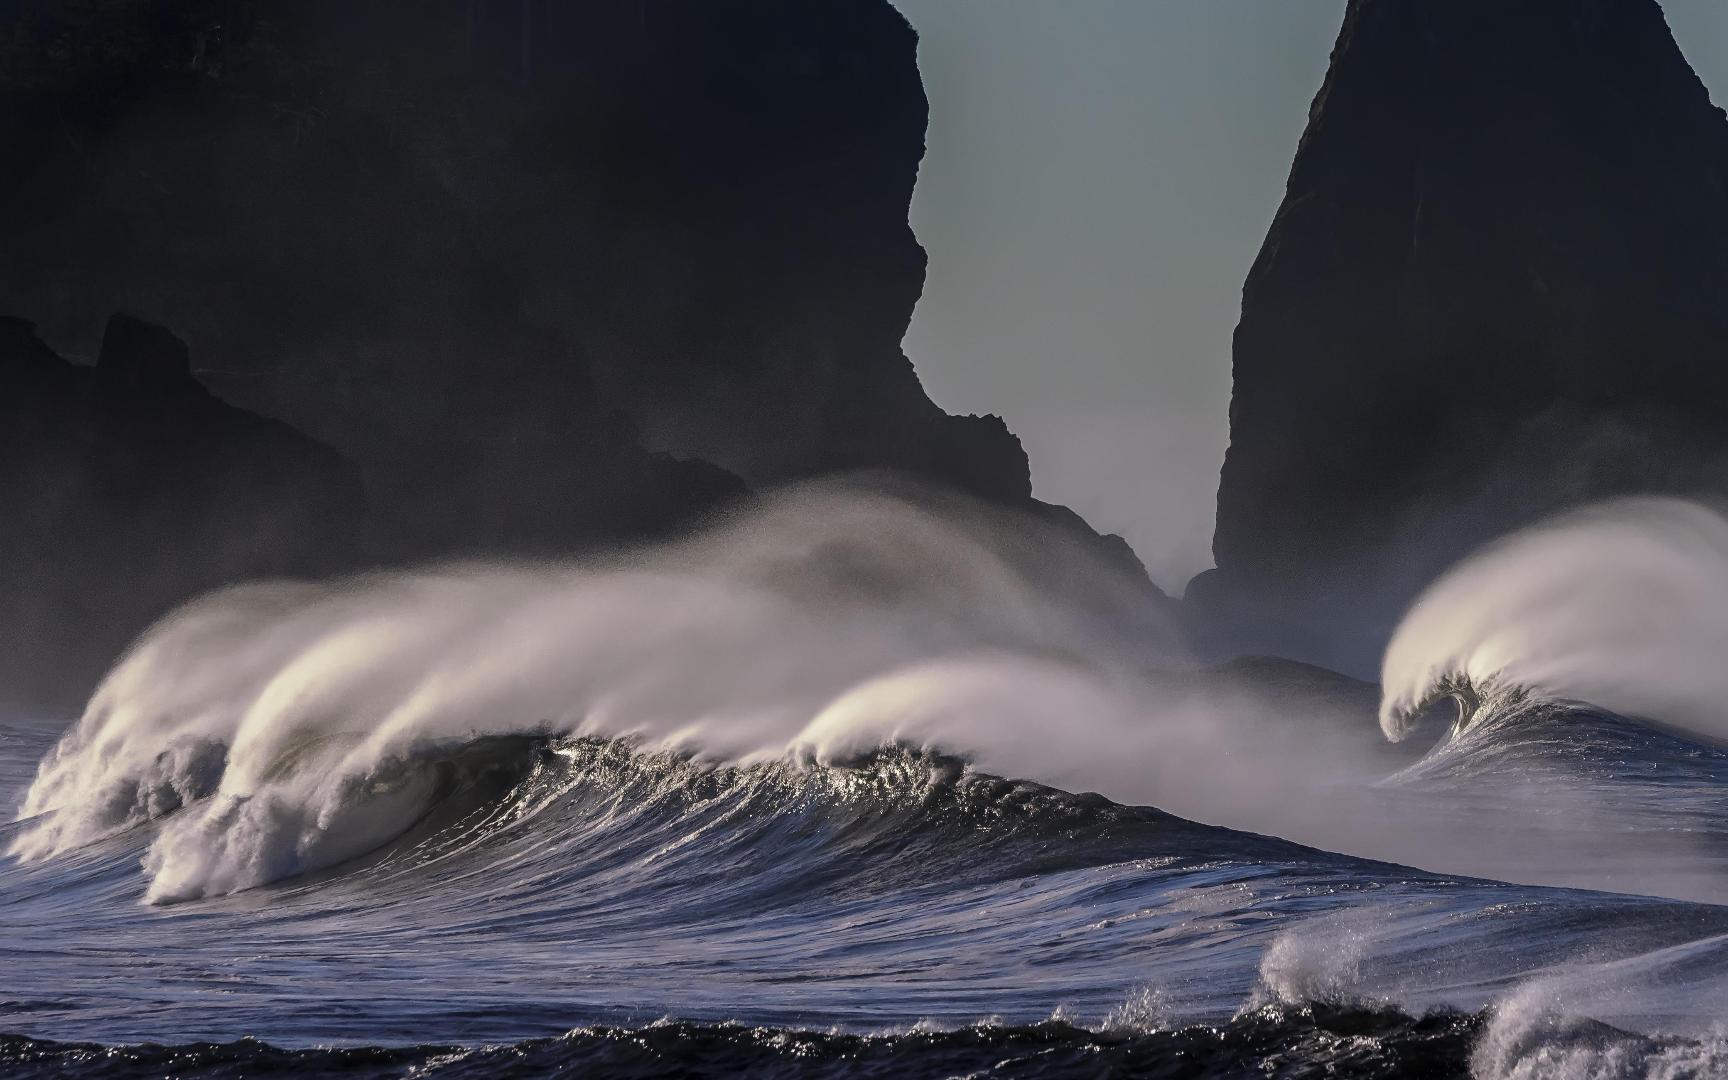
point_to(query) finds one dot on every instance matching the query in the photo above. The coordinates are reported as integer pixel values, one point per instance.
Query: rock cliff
(128, 488)
(417, 230)
(1495, 289)
(553, 276)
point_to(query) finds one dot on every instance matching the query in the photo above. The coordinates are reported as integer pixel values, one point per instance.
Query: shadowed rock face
(128, 488)
(424, 231)
(552, 275)
(1495, 289)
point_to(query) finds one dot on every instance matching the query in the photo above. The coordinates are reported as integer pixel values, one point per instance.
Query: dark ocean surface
(746, 806)
(577, 904)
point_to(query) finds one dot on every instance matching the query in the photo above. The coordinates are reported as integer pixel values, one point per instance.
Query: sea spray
(1593, 1020)
(289, 727)
(278, 729)
(300, 717)
(1624, 606)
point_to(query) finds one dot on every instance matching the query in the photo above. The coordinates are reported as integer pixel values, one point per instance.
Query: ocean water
(843, 788)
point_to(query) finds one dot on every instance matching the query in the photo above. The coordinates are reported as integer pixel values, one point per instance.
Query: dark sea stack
(554, 277)
(128, 488)
(1496, 288)
(451, 226)
(759, 269)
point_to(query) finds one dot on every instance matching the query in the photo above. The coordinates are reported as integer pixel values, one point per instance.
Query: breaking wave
(281, 728)
(1624, 606)
(760, 781)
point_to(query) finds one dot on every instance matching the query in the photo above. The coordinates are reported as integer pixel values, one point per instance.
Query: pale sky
(1100, 176)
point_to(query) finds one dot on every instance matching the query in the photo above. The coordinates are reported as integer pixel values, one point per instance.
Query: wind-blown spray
(302, 719)
(1624, 606)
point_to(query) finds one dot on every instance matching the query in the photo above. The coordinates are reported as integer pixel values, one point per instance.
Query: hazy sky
(1099, 179)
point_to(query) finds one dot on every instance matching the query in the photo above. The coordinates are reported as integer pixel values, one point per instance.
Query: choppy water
(203, 888)
(588, 905)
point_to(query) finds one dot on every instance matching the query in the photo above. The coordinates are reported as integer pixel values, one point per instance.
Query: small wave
(1557, 1027)
(1340, 1043)
(1534, 1033)
(1320, 962)
(1579, 1021)
(1517, 1046)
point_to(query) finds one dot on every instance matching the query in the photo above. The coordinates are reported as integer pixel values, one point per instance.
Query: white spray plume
(286, 711)
(281, 728)
(1623, 606)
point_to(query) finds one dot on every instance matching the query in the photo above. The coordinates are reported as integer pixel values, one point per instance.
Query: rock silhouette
(552, 276)
(1494, 290)
(392, 225)
(128, 488)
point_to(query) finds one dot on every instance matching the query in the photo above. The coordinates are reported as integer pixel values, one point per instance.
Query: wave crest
(287, 727)
(1624, 606)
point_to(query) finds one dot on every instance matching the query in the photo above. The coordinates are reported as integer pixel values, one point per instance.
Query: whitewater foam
(1650, 1015)
(1591, 1021)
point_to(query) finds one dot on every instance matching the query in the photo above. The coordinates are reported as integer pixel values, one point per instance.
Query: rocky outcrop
(1495, 289)
(553, 276)
(418, 231)
(127, 488)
